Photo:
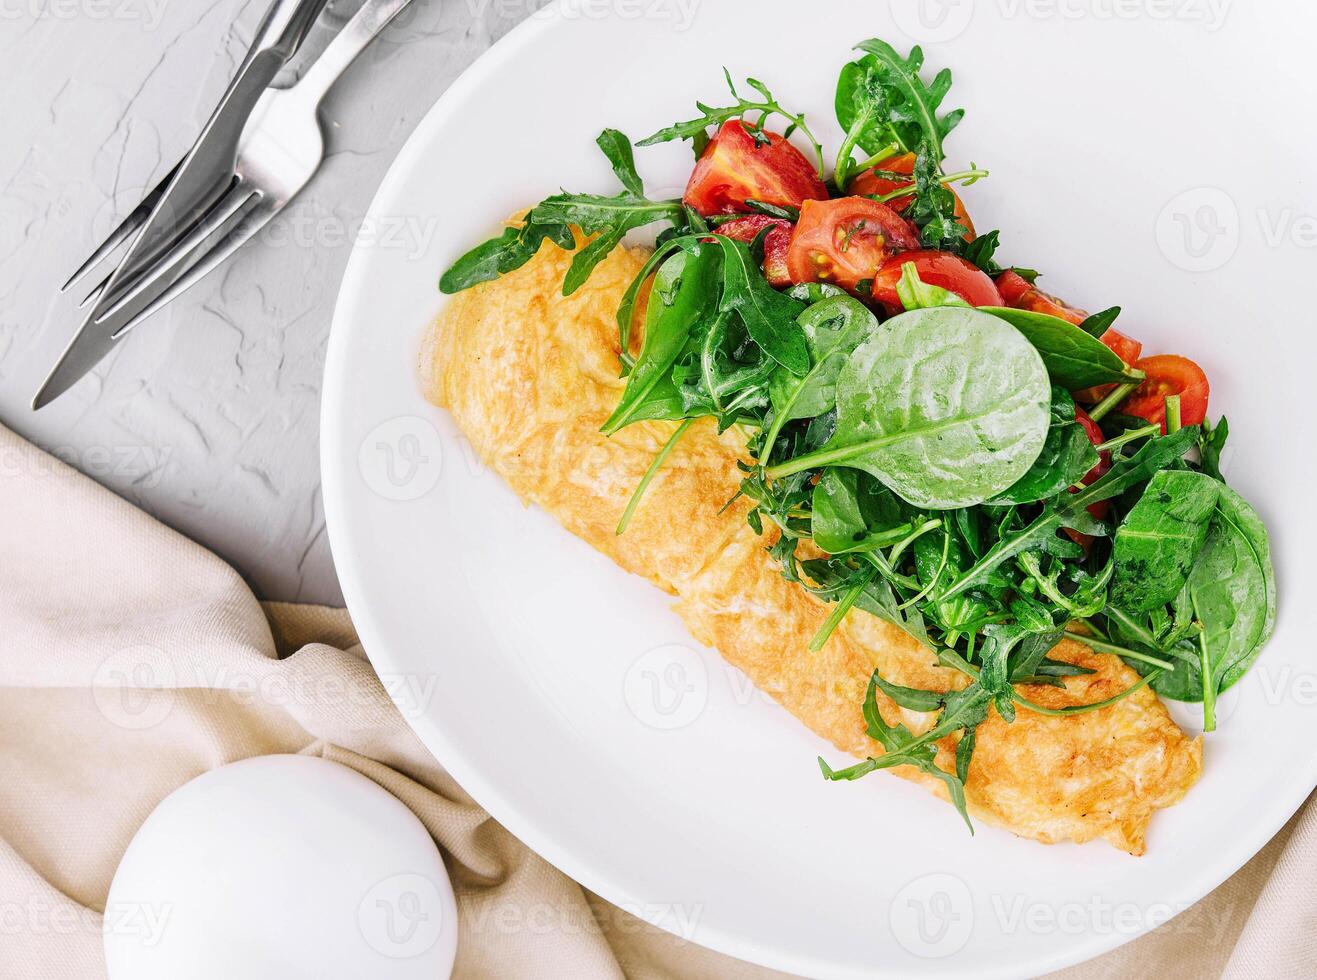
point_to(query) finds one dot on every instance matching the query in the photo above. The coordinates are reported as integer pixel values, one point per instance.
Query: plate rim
(335, 460)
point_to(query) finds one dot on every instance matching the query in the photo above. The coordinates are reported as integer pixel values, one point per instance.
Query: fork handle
(371, 18)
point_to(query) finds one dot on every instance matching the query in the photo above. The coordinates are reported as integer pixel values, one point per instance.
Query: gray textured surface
(207, 415)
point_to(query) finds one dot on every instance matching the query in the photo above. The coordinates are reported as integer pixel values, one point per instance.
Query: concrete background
(206, 415)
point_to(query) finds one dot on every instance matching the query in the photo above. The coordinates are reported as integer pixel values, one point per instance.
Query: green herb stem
(1102, 646)
(1172, 414)
(886, 153)
(1117, 395)
(905, 190)
(839, 613)
(1133, 435)
(1080, 709)
(650, 473)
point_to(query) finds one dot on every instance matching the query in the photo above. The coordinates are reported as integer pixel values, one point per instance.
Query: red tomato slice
(1169, 374)
(846, 240)
(1127, 348)
(936, 268)
(1019, 293)
(734, 168)
(877, 181)
(776, 243)
(1100, 509)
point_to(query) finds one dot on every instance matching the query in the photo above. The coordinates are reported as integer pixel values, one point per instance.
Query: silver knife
(202, 177)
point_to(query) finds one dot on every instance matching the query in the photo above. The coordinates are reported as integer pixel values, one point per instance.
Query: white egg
(281, 868)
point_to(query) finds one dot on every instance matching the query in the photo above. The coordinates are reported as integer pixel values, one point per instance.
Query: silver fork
(282, 146)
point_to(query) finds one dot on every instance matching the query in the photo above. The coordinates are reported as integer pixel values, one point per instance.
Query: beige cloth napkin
(93, 591)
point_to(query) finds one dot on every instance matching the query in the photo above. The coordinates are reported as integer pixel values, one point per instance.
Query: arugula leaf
(617, 147)
(769, 316)
(1071, 509)
(937, 452)
(933, 209)
(505, 253)
(1156, 544)
(913, 107)
(1074, 359)
(903, 748)
(766, 105)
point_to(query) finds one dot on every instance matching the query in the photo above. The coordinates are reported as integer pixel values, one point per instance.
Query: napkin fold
(132, 660)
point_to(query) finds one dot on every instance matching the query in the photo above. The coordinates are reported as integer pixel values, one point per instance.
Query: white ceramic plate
(1152, 160)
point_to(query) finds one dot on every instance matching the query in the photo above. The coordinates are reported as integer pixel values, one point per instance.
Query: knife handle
(371, 18)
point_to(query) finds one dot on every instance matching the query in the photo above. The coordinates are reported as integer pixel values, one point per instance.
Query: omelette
(530, 376)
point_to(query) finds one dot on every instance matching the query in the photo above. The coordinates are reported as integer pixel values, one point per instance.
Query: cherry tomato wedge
(936, 268)
(1019, 293)
(735, 167)
(845, 241)
(1169, 374)
(1100, 509)
(776, 243)
(878, 181)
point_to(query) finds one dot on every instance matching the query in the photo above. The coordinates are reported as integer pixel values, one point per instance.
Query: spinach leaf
(851, 511)
(864, 113)
(833, 328)
(1074, 359)
(947, 406)
(1066, 457)
(617, 148)
(913, 106)
(769, 316)
(682, 298)
(1157, 542)
(1233, 589)
(1071, 509)
(1099, 323)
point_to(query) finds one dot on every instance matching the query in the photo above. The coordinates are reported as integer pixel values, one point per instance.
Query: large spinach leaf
(1157, 542)
(946, 406)
(1074, 359)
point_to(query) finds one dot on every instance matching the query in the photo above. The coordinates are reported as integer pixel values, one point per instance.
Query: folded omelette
(530, 376)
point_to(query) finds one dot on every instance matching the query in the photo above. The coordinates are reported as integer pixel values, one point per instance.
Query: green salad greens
(932, 451)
